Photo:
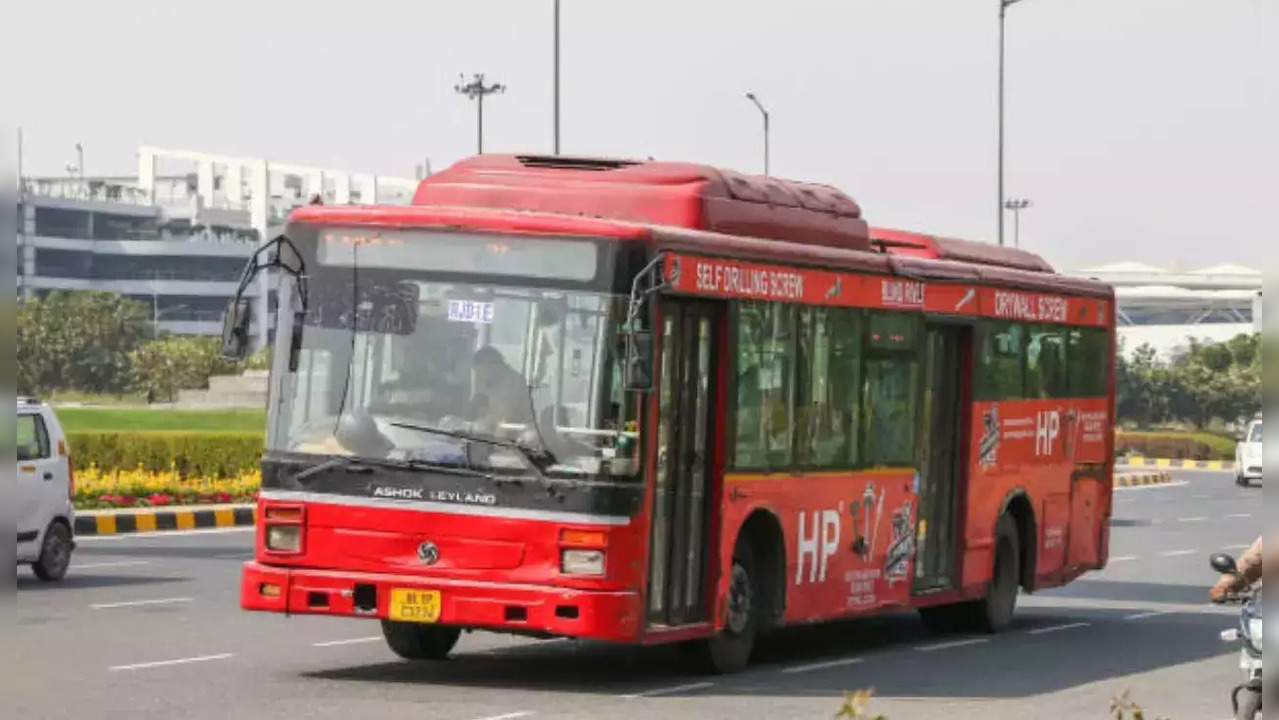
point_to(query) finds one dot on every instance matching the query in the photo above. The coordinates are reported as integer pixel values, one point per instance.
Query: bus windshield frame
(415, 341)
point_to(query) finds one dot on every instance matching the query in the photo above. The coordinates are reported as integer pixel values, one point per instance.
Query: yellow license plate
(420, 606)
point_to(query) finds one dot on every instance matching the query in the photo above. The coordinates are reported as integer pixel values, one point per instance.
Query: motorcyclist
(1249, 566)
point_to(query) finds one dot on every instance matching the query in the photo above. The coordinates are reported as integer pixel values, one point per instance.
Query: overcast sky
(1140, 129)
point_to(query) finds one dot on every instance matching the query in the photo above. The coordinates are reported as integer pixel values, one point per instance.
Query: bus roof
(934, 247)
(694, 207)
(671, 194)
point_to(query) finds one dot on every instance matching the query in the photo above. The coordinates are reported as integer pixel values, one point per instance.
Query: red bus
(651, 402)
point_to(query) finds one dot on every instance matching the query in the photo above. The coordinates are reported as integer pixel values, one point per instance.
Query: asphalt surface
(149, 627)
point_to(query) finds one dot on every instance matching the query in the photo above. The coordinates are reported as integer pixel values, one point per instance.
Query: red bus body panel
(721, 232)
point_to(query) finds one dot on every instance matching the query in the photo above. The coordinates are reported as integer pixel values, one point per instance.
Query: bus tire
(730, 651)
(994, 612)
(413, 641)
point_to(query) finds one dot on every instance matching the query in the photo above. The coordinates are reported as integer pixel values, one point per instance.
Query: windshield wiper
(364, 466)
(350, 464)
(538, 460)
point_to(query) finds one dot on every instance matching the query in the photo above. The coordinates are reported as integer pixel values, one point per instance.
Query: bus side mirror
(639, 362)
(235, 330)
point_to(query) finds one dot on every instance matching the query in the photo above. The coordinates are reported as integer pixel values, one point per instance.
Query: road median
(1175, 464)
(163, 519)
(1142, 479)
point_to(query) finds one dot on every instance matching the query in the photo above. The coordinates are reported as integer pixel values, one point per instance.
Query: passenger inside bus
(506, 391)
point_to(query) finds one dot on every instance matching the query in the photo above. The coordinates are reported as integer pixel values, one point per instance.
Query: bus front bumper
(528, 609)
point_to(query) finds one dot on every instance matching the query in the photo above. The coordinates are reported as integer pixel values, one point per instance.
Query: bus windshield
(416, 365)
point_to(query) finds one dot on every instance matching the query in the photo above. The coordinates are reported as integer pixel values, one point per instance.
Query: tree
(165, 365)
(1207, 381)
(1217, 380)
(78, 341)
(1141, 387)
(102, 343)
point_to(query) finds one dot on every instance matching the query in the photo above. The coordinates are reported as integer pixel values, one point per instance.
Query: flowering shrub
(102, 489)
(189, 454)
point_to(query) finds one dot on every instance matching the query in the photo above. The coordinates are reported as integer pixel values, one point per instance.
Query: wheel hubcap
(739, 600)
(58, 554)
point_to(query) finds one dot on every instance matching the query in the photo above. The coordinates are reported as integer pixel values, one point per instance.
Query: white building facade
(176, 239)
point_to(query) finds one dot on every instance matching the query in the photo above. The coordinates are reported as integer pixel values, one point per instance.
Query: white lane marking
(510, 716)
(1203, 496)
(1178, 553)
(163, 534)
(1239, 516)
(138, 603)
(670, 690)
(100, 565)
(351, 641)
(1059, 628)
(1192, 519)
(166, 663)
(1124, 558)
(953, 644)
(1144, 615)
(234, 556)
(810, 667)
(1236, 547)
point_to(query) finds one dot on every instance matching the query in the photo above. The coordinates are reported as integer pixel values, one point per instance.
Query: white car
(1248, 455)
(45, 516)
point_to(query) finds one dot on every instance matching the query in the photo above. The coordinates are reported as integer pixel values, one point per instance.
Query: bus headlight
(1254, 631)
(284, 538)
(582, 562)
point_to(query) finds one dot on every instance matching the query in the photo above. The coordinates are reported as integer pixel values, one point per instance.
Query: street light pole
(557, 77)
(751, 96)
(477, 90)
(1003, 15)
(1016, 206)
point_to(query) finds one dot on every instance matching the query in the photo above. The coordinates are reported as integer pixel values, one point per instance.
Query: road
(149, 627)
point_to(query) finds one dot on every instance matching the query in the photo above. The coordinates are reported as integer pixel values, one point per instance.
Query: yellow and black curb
(164, 520)
(1215, 465)
(1142, 479)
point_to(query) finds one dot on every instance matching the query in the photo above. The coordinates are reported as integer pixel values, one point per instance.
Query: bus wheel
(993, 613)
(412, 641)
(730, 651)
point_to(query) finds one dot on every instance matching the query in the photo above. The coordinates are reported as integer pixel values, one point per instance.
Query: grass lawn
(145, 419)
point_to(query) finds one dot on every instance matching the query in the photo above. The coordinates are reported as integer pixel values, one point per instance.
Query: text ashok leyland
(444, 496)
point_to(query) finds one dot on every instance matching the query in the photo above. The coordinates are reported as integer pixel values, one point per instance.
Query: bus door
(941, 457)
(679, 558)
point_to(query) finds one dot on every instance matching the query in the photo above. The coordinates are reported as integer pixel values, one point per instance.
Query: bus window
(827, 407)
(1000, 370)
(765, 359)
(890, 390)
(1046, 369)
(1089, 355)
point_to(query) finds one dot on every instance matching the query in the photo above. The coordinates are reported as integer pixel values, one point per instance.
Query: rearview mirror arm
(255, 266)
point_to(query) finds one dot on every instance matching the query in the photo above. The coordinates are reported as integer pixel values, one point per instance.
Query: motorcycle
(1246, 697)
